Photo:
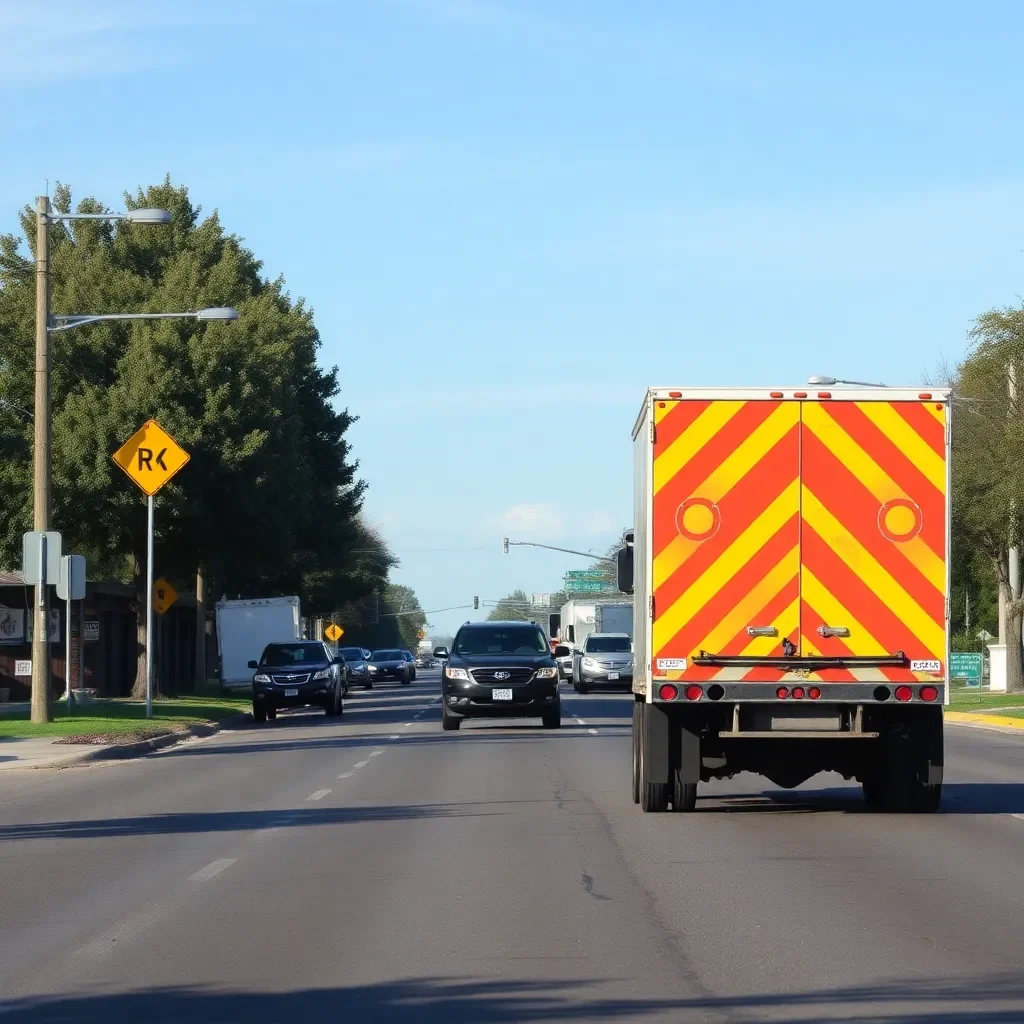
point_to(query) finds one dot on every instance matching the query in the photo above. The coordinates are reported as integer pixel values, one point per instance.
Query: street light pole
(41, 462)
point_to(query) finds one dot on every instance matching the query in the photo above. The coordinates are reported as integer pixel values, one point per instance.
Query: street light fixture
(45, 326)
(827, 382)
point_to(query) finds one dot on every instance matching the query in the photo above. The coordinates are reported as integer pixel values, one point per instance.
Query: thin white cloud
(540, 521)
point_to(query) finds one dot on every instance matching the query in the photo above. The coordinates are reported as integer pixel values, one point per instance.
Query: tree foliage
(514, 606)
(269, 502)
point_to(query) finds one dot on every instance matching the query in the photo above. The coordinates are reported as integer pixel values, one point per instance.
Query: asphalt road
(374, 868)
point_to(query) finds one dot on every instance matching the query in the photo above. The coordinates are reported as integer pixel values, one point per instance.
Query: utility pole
(41, 461)
(1013, 555)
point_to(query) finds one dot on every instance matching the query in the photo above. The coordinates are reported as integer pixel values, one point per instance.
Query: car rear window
(351, 653)
(607, 644)
(388, 656)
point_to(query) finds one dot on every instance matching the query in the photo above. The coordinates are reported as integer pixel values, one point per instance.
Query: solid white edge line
(318, 795)
(213, 868)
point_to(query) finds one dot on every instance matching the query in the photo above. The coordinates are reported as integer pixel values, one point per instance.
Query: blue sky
(511, 217)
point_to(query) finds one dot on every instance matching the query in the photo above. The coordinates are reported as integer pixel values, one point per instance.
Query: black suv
(500, 670)
(295, 674)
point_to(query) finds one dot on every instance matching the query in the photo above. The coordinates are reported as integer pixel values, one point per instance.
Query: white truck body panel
(245, 627)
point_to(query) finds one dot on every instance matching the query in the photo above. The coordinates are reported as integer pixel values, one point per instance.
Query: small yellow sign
(150, 457)
(164, 595)
(334, 632)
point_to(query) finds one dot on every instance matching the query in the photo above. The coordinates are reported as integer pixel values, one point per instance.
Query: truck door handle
(833, 631)
(762, 631)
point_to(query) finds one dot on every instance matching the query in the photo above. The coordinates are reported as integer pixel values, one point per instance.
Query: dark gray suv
(500, 670)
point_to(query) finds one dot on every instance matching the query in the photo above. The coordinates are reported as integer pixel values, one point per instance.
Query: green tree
(988, 466)
(514, 606)
(268, 502)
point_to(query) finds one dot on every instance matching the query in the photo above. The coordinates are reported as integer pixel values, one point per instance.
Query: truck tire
(684, 794)
(911, 767)
(636, 751)
(654, 759)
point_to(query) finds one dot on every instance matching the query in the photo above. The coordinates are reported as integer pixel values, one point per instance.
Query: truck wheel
(449, 723)
(654, 793)
(636, 752)
(684, 794)
(874, 789)
(259, 714)
(912, 765)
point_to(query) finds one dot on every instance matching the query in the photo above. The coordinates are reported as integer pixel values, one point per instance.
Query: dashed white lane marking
(346, 775)
(360, 764)
(397, 736)
(318, 795)
(213, 868)
(580, 720)
(376, 753)
(407, 724)
(593, 732)
(1020, 817)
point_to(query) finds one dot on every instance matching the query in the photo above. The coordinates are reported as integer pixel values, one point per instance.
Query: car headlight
(371, 668)
(324, 673)
(457, 673)
(547, 673)
(260, 678)
(589, 663)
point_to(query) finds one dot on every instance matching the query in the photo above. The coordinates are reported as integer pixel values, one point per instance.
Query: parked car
(358, 667)
(390, 664)
(295, 674)
(500, 670)
(412, 663)
(606, 659)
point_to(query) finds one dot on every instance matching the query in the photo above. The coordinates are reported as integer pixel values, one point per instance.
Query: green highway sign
(587, 586)
(965, 666)
(584, 574)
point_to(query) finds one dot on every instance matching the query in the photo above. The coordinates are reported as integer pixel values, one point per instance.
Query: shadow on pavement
(995, 999)
(957, 798)
(238, 821)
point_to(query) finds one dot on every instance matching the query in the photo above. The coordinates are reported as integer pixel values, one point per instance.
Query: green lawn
(961, 699)
(123, 719)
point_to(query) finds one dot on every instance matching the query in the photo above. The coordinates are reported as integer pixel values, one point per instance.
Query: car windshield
(607, 644)
(291, 654)
(501, 640)
(387, 656)
(351, 653)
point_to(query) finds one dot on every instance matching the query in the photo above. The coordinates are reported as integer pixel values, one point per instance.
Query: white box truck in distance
(245, 627)
(790, 579)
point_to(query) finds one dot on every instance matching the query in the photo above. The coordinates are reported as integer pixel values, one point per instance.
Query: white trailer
(245, 627)
(614, 617)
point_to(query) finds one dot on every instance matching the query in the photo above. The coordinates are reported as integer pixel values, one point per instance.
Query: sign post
(70, 587)
(334, 633)
(150, 457)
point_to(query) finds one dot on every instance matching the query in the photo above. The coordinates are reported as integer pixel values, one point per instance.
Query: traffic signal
(476, 602)
(504, 544)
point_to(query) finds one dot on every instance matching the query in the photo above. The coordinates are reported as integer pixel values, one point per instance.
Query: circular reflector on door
(900, 520)
(698, 518)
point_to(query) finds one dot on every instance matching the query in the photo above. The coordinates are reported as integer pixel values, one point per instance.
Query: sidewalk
(43, 752)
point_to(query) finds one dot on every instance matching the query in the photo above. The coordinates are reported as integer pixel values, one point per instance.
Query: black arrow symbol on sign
(160, 458)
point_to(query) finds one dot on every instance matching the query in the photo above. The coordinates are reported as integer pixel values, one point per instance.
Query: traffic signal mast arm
(506, 544)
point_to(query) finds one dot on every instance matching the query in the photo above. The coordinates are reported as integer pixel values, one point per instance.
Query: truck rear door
(799, 536)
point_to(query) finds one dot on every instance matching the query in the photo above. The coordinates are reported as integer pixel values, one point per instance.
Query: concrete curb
(125, 751)
(979, 720)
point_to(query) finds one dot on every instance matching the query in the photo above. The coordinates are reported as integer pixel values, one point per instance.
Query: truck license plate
(612, 676)
(501, 694)
(291, 693)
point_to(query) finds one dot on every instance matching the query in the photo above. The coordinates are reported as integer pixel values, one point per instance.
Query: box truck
(789, 563)
(245, 627)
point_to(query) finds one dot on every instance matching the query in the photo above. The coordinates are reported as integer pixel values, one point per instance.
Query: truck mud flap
(686, 753)
(655, 735)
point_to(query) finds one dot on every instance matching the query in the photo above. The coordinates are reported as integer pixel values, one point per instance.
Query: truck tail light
(668, 692)
(814, 692)
(903, 693)
(694, 692)
(798, 693)
(782, 692)
(928, 693)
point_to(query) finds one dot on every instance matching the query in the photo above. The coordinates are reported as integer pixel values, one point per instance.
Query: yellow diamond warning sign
(164, 595)
(150, 457)
(334, 632)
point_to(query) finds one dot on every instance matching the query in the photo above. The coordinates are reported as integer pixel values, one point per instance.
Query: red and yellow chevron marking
(794, 516)
(873, 536)
(726, 530)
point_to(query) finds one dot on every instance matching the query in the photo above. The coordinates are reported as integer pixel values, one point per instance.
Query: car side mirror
(254, 664)
(440, 652)
(624, 569)
(562, 651)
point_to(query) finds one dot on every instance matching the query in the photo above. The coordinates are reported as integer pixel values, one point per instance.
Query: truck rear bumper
(724, 691)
